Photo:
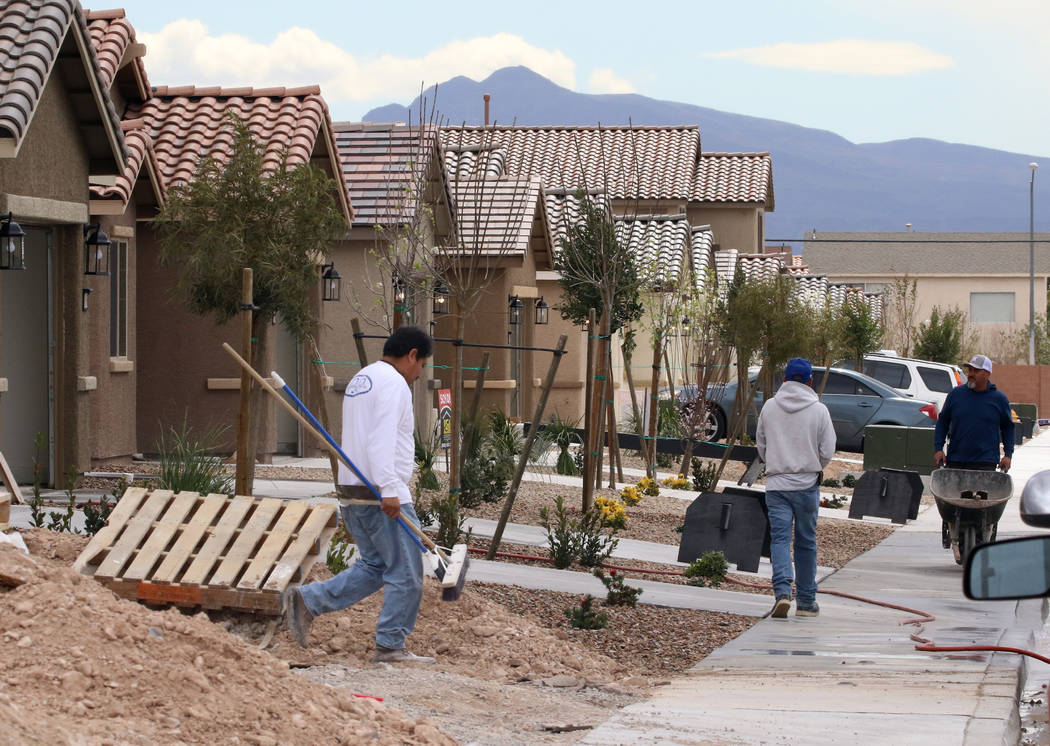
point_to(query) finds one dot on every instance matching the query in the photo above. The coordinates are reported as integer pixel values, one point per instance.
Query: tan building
(986, 275)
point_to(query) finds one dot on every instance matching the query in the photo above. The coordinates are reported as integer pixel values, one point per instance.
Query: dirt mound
(81, 665)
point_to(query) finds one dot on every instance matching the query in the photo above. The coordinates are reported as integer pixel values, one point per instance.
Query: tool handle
(413, 528)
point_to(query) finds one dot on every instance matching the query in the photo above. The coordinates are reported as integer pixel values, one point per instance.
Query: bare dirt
(83, 666)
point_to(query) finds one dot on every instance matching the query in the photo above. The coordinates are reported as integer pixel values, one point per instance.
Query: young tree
(862, 332)
(902, 300)
(234, 214)
(940, 338)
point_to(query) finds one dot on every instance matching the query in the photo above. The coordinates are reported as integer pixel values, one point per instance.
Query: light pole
(1031, 264)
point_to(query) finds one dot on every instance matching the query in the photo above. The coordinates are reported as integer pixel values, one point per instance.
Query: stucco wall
(1025, 384)
(733, 227)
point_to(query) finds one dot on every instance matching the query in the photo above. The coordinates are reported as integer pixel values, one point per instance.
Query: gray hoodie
(795, 437)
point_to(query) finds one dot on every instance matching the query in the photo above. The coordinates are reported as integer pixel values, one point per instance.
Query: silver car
(853, 399)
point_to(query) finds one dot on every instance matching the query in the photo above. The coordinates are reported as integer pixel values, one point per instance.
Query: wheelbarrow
(971, 504)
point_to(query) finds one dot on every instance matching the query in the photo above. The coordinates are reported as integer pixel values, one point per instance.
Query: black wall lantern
(12, 244)
(331, 282)
(515, 309)
(687, 326)
(96, 250)
(441, 299)
(542, 311)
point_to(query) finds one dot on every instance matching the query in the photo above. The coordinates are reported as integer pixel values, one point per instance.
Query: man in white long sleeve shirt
(378, 439)
(796, 440)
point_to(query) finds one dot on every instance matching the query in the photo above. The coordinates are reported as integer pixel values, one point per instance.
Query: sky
(956, 70)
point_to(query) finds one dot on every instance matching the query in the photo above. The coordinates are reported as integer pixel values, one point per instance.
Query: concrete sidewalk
(853, 675)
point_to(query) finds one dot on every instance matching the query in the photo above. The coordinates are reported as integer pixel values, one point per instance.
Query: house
(986, 275)
(59, 133)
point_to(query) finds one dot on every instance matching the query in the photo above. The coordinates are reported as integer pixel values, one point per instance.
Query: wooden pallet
(213, 552)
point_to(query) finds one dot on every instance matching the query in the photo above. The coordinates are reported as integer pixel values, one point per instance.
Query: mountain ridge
(821, 179)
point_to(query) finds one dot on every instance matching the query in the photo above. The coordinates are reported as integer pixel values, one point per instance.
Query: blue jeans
(386, 558)
(798, 507)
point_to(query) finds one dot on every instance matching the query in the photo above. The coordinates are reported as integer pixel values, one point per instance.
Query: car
(920, 379)
(853, 399)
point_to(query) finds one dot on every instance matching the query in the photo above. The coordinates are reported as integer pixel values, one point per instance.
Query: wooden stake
(537, 418)
(362, 357)
(475, 402)
(245, 457)
(589, 435)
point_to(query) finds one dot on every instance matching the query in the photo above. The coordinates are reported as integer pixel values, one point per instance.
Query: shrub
(648, 486)
(186, 463)
(704, 473)
(37, 513)
(620, 594)
(562, 433)
(676, 483)
(425, 461)
(830, 483)
(585, 617)
(709, 570)
(593, 546)
(630, 495)
(339, 551)
(835, 501)
(64, 521)
(849, 481)
(445, 510)
(96, 514)
(562, 534)
(612, 511)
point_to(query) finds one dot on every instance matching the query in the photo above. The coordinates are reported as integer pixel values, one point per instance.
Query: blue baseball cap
(798, 369)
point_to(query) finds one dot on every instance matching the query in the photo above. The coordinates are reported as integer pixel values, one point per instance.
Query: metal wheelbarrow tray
(972, 520)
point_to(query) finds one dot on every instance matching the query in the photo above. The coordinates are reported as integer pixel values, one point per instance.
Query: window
(837, 384)
(891, 374)
(118, 300)
(988, 308)
(936, 379)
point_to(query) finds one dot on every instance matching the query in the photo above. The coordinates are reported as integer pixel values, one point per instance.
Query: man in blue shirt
(974, 419)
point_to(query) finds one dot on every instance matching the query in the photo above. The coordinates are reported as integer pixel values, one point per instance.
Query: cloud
(604, 80)
(183, 52)
(850, 56)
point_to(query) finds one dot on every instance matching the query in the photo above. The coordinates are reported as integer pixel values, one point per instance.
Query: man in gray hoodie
(796, 440)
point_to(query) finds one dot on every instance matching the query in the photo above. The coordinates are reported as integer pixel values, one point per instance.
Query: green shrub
(585, 617)
(620, 594)
(425, 461)
(593, 545)
(339, 551)
(186, 463)
(849, 481)
(562, 534)
(830, 483)
(64, 521)
(704, 473)
(709, 570)
(96, 514)
(37, 514)
(445, 511)
(562, 434)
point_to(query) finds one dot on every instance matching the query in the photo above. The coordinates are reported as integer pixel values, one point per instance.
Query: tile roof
(626, 162)
(659, 245)
(32, 35)
(734, 177)
(188, 124)
(564, 209)
(111, 35)
(812, 289)
(384, 166)
(760, 267)
(702, 246)
(140, 153)
(495, 217)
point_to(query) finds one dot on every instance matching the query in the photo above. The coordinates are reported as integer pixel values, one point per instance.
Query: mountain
(821, 180)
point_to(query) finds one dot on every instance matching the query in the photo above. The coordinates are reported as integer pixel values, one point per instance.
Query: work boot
(811, 610)
(297, 616)
(398, 655)
(780, 607)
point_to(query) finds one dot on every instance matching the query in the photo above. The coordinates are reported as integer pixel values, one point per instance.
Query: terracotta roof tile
(659, 245)
(188, 124)
(496, 216)
(563, 210)
(381, 167)
(734, 177)
(32, 33)
(111, 34)
(140, 151)
(627, 162)
(703, 256)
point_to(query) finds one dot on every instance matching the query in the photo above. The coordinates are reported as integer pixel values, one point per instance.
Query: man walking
(974, 419)
(378, 439)
(796, 440)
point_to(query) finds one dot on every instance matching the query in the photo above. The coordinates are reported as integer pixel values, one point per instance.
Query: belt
(356, 494)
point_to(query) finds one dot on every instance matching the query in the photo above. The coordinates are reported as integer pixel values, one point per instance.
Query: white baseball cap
(979, 362)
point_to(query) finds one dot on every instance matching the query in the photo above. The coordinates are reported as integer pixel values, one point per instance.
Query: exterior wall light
(542, 312)
(515, 306)
(441, 299)
(96, 250)
(331, 282)
(12, 244)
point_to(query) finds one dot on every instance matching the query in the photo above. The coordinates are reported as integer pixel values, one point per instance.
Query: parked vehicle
(921, 379)
(853, 399)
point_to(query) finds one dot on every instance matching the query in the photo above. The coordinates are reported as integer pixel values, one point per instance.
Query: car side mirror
(1035, 500)
(1011, 569)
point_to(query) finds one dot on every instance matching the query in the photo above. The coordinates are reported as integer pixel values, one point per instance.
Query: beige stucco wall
(949, 291)
(734, 227)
